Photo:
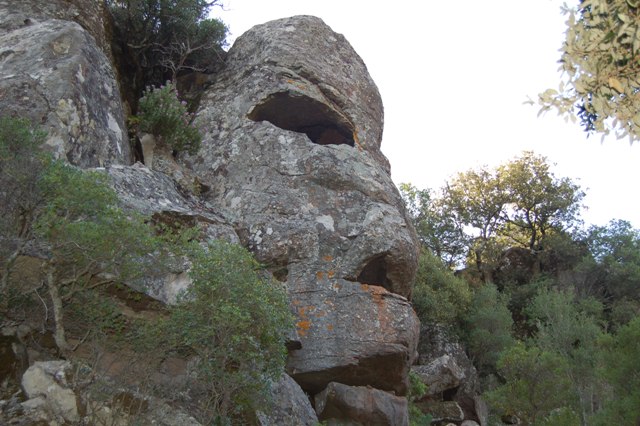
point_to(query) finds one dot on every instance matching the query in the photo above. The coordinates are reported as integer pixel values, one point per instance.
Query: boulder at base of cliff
(291, 406)
(436, 345)
(361, 406)
(49, 394)
(355, 333)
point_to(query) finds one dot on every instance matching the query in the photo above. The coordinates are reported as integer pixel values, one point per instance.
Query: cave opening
(375, 273)
(302, 114)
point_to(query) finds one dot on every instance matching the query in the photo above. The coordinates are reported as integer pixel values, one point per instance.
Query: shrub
(163, 115)
(438, 295)
(537, 382)
(489, 326)
(233, 319)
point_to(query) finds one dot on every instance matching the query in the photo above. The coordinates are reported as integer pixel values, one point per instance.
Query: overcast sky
(454, 77)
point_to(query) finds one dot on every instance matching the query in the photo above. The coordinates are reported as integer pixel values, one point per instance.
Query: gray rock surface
(440, 374)
(53, 72)
(442, 411)
(436, 343)
(291, 406)
(45, 385)
(156, 195)
(291, 157)
(361, 405)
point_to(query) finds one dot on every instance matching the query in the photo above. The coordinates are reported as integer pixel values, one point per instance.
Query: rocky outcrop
(449, 374)
(291, 157)
(361, 406)
(53, 72)
(290, 167)
(291, 407)
(45, 385)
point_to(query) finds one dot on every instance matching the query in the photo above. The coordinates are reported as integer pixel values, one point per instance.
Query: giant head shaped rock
(292, 159)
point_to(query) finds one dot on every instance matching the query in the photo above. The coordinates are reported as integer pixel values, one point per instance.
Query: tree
(616, 249)
(234, 319)
(538, 201)
(69, 219)
(622, 370)
(536, 384)
(483, 212)
(571, 328)
(489, 327)
(159, 39)
(437, 228)
(601, 68)
(476, 200)
(438, 295)
(21, 168)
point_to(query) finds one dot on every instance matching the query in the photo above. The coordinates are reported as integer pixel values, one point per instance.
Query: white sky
(453, 77)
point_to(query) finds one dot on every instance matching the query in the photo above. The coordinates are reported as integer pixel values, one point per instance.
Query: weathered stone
(436, 342)
(361, 405)
(53, 72)
(90, 14)
(442, 411)
(48, 380)
(291, 407)
(155, 194)
(355, 333)
(440, 374)
(469, 423)
(291, 157)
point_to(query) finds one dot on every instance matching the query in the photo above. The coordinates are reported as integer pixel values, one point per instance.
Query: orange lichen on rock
(303, 327)
(356, 140)
(320, 275)
(327, 258)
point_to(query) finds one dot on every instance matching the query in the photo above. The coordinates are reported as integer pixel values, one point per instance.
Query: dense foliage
(158, 39)
(68, 218)
(231, 322)
(233, 319)
(601, 68)
(554, 307)
(162, 114)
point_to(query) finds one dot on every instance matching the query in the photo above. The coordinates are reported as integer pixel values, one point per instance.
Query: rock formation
(290, 167)
(54, 72)
(291, 157)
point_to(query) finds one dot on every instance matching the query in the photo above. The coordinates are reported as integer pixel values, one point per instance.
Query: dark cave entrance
(303, 114)
(375, 273)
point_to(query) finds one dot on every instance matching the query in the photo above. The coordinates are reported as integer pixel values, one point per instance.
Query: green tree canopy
(158, 39)
(601, 68)
(480, 213)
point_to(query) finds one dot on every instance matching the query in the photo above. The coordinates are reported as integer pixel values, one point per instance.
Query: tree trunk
(58, 314)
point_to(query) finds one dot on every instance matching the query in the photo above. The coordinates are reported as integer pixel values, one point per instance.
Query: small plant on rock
(162, 114)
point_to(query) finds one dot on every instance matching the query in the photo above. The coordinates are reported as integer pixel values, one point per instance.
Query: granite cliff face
(290, 167)
(55, 73)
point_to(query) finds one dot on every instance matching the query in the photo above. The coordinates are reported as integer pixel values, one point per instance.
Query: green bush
(233, 319)
(489, 328)
(536, 384)
(438, 295)
(156, 40)
(162, 114)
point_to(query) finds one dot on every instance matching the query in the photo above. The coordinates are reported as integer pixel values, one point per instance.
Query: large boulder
(54, 73)
(292, 158)
(444, 364)
(290, 406)
(343, 404)
(46, 387)
(441, 374)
